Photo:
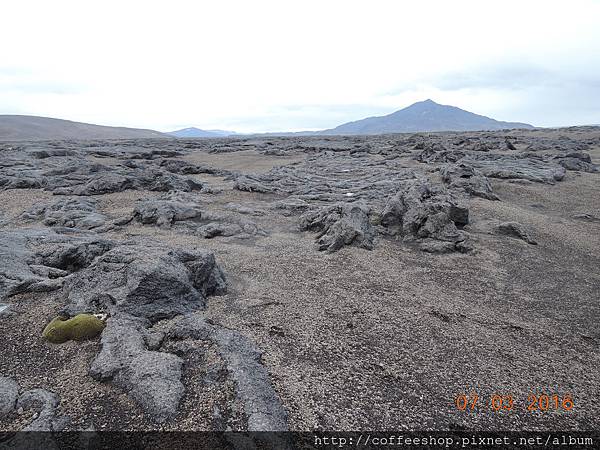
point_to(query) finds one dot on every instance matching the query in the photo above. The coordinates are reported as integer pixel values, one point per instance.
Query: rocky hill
(33, 128)
(194, 132)
(425, 116)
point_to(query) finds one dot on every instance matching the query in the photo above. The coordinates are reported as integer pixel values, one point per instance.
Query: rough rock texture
(147, 282)
(182, 210)
(226, 226)
(186, 168)
(164, 211)
(15, 274)
(64, 254)
(251, 184)
(327, 177)
(23, 268)
(461, 176)
(261, 403)
(153, 282)
(509, 167)
(421, 211)
(579, 161)
(339, 225)
(71, 213)
(516, 230)
(122, 338)
(45, 403)
(435, 152)
(70, 173)
(291, 206)
(350, 340)
(9, 392)
(243, 358)
(243, 209)
(180, 167)
(137, 285)
(46, 419)
(151, 378)
(151, 179)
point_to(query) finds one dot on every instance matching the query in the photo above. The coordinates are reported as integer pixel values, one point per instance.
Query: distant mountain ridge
(422, 117)
(425, 116)
(31, 128)
(193, 132)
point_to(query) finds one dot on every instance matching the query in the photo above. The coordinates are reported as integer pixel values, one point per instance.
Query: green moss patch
(78, 328)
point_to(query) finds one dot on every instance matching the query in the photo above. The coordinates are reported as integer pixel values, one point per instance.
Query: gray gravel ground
(357, 339)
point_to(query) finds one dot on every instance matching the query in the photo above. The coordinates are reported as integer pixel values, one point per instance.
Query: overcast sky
(282, 65)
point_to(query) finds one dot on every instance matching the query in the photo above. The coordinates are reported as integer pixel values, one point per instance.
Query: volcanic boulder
(9, 392)
(422, 212)
(71, 213)
(466, 178)
(340, 224)
(580, 161)
(149, 281)
(151, 378)
(164, 211)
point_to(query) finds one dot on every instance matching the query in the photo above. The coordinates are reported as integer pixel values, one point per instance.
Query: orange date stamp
(499, 402)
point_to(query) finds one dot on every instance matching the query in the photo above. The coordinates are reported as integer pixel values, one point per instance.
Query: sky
(256, 66)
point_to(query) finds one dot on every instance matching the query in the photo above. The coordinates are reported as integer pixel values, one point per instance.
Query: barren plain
(303, 283)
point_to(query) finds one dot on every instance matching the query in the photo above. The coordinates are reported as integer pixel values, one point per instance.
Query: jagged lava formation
(275, 283)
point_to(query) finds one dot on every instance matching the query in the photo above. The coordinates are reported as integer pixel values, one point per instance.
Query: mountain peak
(425, 103)
(193, 132)
(425, 116)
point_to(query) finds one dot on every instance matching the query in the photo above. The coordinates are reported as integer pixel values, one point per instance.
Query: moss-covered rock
(78, 328)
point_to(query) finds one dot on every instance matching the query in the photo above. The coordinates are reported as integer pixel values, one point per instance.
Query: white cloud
(273, 65)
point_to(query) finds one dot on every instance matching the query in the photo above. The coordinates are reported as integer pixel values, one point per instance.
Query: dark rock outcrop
(422, 212)
(9, 393)
(45, 403)
(464, 177)
(164, 211)
(291, 206)
(431, 152)
(251, 184)
(227, 226)
(22, 267)
(261, 404)
(149, 281)
(151, 378)
(338, 225)
(579, 161)
(47, 418)
(137, 285)
(71, 213)
(73, 174)
(509, 167)
(150, 179)
(181, 210)
(327, 177)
